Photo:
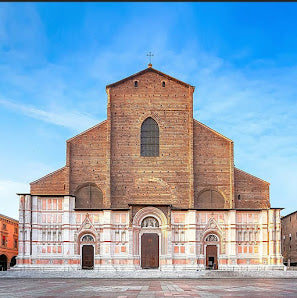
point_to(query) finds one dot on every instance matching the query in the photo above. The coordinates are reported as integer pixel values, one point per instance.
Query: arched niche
(88, 196)
(210, 199)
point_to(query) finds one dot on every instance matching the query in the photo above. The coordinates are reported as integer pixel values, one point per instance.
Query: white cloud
(71, 119)
(9, 202)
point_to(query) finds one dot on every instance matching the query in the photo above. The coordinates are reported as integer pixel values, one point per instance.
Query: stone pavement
(150, 273)
(123, 288)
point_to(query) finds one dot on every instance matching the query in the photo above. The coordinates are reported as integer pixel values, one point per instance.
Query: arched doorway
(149, 244)
(211, 256)
(12, 261)
(87, 251)
(3, 263)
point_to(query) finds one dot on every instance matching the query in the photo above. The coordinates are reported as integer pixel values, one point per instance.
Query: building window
(3, 243)
(238, 197)
(15, 243)
(149, 138)
(117, 236)
(163, 84)
(135, 84)
(15, 230)
(4, 226)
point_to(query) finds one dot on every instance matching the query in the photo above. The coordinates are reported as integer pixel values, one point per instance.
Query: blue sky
(57, 58)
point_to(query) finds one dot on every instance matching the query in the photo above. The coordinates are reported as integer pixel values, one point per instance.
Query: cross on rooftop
(150, 55)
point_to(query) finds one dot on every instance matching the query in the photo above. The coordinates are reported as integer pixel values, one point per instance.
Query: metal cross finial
(150, 55)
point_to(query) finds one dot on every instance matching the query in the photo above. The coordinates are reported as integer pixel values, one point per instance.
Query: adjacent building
(289, 238)
(149, 187)
(9, 228)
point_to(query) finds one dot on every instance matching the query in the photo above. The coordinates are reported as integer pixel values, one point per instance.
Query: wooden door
(87, 257)
(150, 251)
(211, 257)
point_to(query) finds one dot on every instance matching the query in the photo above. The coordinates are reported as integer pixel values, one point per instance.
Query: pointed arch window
(149, 137)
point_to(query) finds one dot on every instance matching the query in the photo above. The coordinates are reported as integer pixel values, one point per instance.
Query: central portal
(150, 251)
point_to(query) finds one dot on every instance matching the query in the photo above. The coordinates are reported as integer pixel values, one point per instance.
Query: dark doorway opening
(211, 257)
(88, 257)
(150, 251)
(12, 261)
(3, 263)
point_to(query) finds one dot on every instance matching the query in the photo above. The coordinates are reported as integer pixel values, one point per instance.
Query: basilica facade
(150, 187)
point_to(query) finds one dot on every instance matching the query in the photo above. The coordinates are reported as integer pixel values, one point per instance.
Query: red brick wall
(213, 163)
(164, 179)
(51, 184)
(254, 192)
(88, 160)
(192, 157)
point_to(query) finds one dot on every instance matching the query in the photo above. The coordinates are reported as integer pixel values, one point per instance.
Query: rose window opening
(150, 222)
(212, 238)
(87, 238)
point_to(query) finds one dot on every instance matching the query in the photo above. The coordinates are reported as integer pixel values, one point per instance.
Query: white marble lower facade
(53, 235)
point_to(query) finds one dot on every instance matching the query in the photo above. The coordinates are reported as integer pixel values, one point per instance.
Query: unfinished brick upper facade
(193, 158)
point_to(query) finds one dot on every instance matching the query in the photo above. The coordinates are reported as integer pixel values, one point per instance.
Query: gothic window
(212, 238)
(117, 236)
(150, 222)
(87, 238)
(239, 236)
(149, 138)
(88, 196)
(209, 199)
(123, 236)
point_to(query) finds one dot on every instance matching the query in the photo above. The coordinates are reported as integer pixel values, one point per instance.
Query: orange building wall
(11, 234)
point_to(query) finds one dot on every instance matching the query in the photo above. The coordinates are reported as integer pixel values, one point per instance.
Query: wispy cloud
(74, 120)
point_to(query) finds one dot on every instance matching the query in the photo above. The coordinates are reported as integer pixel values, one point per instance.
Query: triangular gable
(212, 130)
(87, 226)
(250, 175)
(149, 69)
(212, 226)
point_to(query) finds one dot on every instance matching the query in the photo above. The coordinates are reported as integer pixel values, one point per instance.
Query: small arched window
(149, 138)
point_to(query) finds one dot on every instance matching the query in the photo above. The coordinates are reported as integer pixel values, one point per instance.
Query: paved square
(148, 288)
